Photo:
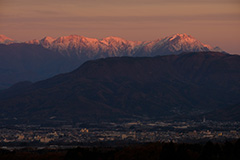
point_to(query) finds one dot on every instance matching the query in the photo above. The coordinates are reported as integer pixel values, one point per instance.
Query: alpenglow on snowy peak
(6, 40)
(115, 46)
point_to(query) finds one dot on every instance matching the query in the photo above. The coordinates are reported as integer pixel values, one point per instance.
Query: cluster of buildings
(139, 131)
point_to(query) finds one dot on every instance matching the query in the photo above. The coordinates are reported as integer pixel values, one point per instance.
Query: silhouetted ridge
(177, 86)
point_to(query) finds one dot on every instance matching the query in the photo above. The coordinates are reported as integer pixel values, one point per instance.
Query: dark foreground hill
(150, 151)
(177, 86)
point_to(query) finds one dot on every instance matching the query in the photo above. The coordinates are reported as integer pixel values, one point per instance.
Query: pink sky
(215, 22)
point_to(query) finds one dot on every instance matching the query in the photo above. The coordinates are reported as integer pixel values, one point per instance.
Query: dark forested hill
(176, 86)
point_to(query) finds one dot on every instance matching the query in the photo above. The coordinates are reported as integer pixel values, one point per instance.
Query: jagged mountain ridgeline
(40, 59)
(182, 86)
(116, 47)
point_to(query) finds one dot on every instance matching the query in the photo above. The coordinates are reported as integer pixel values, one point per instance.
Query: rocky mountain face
(163, 87)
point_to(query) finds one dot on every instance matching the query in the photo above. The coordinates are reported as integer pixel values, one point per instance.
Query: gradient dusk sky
(214, 22)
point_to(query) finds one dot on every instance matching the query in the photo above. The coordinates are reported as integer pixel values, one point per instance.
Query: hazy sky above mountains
(215, 22)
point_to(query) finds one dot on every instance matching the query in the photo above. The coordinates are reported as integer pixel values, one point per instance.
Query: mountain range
(183, 86)
(36, 60)
(116, 47)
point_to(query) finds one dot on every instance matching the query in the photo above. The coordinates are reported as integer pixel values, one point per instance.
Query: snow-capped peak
(114, 39)
(34, 41)
(182, 37)
(6, 40)
(74, 38)
(47, 40)
(176, 44)
(116, 46)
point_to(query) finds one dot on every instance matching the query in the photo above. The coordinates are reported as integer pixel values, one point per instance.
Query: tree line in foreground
(149, 151)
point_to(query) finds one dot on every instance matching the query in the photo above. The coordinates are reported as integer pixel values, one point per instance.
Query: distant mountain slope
(40, 59)
(20, 62)
(180, 86)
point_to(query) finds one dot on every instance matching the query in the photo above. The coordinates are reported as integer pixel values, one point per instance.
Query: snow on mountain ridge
(46, 41)
(6, 40)
(183, 43)
(116, 46)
